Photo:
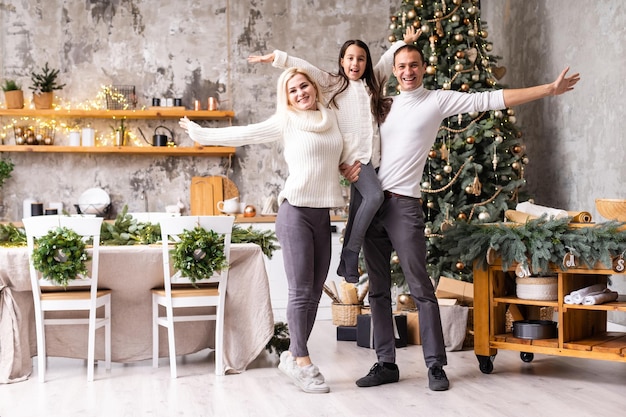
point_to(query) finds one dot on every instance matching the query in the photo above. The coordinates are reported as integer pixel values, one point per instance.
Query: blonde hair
(282, 95)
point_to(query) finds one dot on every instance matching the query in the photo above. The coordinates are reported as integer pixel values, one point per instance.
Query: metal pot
(162, 140)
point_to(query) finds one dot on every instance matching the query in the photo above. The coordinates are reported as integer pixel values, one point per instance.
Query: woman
(312, 145)
(355, 93)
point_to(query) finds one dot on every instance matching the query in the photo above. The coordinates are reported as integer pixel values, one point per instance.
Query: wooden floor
(548, 386)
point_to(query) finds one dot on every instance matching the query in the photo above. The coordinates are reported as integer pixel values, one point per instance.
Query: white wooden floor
(548, 386)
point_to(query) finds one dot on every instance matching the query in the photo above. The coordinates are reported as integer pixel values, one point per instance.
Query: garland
(536, 243)
(199, 254)
(60, 256)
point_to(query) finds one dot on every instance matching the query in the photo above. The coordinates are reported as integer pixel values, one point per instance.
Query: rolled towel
(578, 295)
(568, 299)
(600, 297)
(536, 210)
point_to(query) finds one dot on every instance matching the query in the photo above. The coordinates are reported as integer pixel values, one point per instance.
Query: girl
(356, 94)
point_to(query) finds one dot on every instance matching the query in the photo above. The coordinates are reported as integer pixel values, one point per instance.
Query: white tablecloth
(130, 272)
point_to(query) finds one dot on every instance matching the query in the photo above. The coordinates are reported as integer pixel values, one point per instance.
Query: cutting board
(207, 191)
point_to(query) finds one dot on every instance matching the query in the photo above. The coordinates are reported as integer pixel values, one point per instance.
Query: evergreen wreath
(60, 256)
(199, 254)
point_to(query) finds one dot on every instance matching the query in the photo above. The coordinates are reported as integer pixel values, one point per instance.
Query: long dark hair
(379, 104)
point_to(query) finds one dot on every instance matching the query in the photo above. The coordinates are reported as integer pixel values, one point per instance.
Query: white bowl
(94, 201)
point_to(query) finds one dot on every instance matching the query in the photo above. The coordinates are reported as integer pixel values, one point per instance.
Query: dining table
(130, 272)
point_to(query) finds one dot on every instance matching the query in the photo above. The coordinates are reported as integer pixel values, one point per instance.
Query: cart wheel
(485, 363)
(527, 356)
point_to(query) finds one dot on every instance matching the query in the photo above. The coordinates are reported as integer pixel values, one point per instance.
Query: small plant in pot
(13, 94)
(44, 84)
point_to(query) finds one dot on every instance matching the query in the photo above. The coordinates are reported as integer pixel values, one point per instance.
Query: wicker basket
(345, 314)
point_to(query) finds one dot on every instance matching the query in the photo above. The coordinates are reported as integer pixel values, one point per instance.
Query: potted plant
(13, 94)
(44, 83)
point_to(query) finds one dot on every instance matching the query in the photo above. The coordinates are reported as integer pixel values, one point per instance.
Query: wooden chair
(82, 294)
(172, 297)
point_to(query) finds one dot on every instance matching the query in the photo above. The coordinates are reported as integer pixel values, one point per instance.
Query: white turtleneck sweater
(410, 130)
(356, 122)
(312, 145)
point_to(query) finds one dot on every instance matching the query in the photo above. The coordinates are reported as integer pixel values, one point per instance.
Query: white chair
(83, 295)
(171, 297)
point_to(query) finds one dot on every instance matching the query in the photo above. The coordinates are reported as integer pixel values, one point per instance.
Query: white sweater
(312, 145)
(411, 128)
(356, 122)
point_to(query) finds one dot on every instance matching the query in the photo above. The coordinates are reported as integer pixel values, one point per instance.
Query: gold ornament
(470, 139)
(392, 38)
(459, 265)
(394, 18)
(431, 70)
(447, 169)
(430, 204)
(418, 3)
(411, 14)
(395, 259)
(458, 37)
(432, 153)
(458, 67)
(462, 216)
(438, 14)
(460, 54)
(425, 29)
(249, 211)
(438, 177)
(465, 87)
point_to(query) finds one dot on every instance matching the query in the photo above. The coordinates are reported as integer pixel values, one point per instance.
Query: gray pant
(304, 237)
(366, 196)
(399, 224)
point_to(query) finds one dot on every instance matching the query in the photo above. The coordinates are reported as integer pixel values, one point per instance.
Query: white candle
(74, 138)
(89, 136)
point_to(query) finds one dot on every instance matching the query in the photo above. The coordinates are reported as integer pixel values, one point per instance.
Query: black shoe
(379, 375)
(349, 266)
(437, 379)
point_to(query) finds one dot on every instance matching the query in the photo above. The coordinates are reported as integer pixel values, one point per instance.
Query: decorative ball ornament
(447, 85)
(510, 112)
(433, 38)
(467, 22)
(473, 114)
(395, 259)
(462, 216)
(485, 63)
(499, 139)
(430, 204)
(517, 149)
(432, 59)
(457, 2)
(249, 211)
(47, 140)
(512, 119)
(471, 10)
(489, 47)
(484, 216)
(418, 3)
(426, 185)
(471, 33)
(447, 169)
(491, 82)
(411, 14)
(515, 165)
(455, 18)
(431, 70)
(458, 37)
(394, 18)
(460, 265)
(428, 231)
(470, 140)
(392, 26)
(438, 14)
(458, 67)
(438, 177)
(484, 34)
(425, 29)
(432, 153)
(465, 87)
(469, 189)
(498, 114)
(416, 24)
(525, 160)
(460, 54)
(391, 38)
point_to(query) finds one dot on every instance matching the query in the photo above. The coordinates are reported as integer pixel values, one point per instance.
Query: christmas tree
(475, 170)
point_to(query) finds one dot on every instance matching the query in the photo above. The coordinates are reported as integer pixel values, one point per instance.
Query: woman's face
(354, 62)
(301, 93)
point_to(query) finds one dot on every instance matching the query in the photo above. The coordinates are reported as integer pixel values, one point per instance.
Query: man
(407, 134)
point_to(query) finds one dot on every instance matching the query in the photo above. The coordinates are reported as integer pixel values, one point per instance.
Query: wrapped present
(346, 333)
(365, 334)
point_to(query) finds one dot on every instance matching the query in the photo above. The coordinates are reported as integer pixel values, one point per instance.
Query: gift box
(346, 333)
(413, 328)
(364, 334)
(454, 288)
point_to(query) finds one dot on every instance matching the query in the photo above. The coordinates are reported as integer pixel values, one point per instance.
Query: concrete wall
(193, 49)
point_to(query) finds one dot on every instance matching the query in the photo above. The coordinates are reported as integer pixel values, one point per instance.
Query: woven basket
(537, 288)
(345, 314)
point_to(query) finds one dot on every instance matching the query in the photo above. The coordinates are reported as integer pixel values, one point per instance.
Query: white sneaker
(287, 362)
(309, 379)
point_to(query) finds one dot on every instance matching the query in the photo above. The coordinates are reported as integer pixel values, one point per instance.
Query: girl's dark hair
(379, 104)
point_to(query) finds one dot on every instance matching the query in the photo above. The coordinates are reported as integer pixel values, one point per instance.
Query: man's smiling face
(409, 69)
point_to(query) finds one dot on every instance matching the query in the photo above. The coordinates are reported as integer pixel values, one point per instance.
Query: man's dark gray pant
(399, 225)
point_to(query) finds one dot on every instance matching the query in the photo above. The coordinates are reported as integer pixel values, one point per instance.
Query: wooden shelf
(126, 150)
(162, 113)
(515, 300)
